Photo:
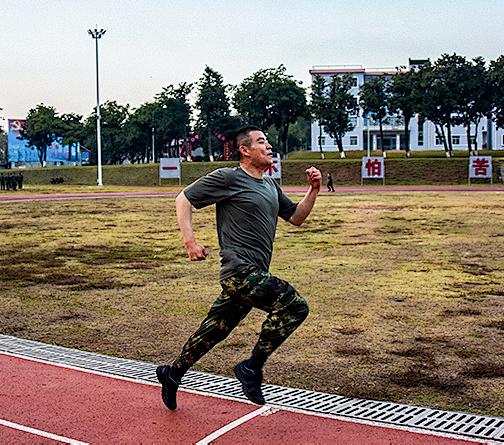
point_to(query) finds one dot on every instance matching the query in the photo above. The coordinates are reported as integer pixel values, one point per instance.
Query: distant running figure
(330, 187)
(248, 207)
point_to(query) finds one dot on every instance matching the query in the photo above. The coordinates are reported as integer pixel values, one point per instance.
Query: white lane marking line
(27, 429)
(81, 369)
(234, 424)
(374, 423)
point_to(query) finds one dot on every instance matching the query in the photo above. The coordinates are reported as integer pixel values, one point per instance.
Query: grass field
(405, 289)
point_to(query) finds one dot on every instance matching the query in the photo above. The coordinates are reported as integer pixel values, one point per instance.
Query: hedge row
(398, 171)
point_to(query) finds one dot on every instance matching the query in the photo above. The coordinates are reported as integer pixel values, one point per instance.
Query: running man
(248, 207)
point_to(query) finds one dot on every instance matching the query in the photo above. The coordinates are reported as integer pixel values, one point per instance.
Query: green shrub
(417, 170)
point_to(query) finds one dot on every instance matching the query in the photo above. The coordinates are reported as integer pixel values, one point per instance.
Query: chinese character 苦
(480, 166)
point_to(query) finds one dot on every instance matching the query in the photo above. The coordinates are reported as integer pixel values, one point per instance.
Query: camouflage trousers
(249, 289)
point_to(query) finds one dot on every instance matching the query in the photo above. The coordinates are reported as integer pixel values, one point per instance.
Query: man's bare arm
(195, 250)
(305, 206)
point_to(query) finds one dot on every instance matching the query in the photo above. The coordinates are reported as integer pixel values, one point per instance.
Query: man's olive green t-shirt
(247, 213)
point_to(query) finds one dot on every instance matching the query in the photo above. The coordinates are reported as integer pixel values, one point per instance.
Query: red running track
(16, 196)
(42, 403)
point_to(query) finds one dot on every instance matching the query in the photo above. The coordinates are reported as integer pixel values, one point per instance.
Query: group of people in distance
(11, 181)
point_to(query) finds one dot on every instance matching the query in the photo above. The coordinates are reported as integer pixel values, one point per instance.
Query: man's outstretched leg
(222, 318)
(286, 311)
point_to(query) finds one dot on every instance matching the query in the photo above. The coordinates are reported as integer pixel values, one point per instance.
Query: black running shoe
(251, 383)
(170, 386)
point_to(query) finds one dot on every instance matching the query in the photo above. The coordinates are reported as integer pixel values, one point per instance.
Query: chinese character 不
(271, 169)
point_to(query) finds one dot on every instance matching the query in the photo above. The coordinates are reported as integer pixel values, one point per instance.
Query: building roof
(371, 71)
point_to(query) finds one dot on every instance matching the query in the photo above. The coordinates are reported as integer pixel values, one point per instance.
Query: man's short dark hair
(242, 136)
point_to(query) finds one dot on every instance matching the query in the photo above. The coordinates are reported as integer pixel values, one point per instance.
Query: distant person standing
(13, 181)
(9, 183)
(20, 180)
(2, 181)
(248, 207)
(330, 187)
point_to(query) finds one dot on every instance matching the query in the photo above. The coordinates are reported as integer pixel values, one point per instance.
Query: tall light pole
(95, 34)
(153, 150)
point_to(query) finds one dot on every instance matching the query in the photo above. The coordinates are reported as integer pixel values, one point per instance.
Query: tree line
(270, 98)
(450, 91)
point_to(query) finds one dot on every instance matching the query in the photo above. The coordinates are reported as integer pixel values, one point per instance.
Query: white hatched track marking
(233, 425)
(41, 433)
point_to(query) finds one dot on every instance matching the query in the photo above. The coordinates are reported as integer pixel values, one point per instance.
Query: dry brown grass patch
(405, 290)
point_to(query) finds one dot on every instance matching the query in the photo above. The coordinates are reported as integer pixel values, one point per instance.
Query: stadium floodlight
(96, 34)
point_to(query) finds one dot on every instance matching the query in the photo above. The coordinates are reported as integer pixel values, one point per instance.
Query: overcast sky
(48, 57)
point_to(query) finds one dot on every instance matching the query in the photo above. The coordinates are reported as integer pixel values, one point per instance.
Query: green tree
(3, 144)
(252, 100)
(430, 93)
(332, 105)
(318, 105)
(289, 103)
(271, 97)
(112, 122)
(172, 116)
(374, 102)
(404, 97)
(213, 104)
(441, 94)
(41, 129)
(299, 135)
(138, 133)
(71, 129)
(475, 98)
(496, 79)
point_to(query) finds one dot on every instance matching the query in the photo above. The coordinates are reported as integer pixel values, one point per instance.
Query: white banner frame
(169, 168)
(475, 166)
(275, 170)
(365, 168)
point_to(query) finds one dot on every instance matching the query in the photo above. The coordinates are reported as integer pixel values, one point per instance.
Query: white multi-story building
(422, 134)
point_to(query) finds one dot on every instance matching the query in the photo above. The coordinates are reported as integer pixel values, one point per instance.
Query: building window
(355, 82)
(456, 140)
(502, 142)
(473, 140)
(321, 140)
(438, 141)
(353, 140)
(353, 120)
(420, 133)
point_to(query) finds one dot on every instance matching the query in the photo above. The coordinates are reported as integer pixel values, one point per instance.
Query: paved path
(16, 196)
